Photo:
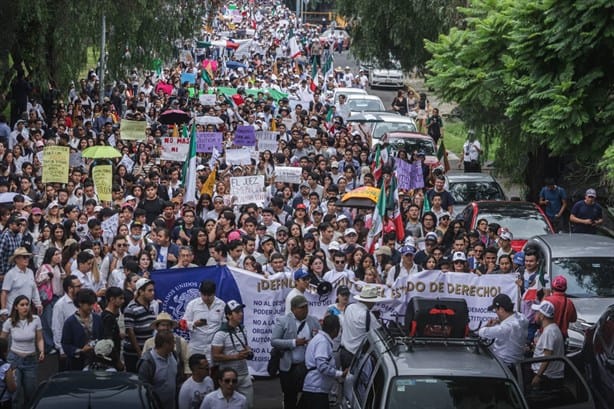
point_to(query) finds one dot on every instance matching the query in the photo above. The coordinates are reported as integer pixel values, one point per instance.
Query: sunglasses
(234, 381)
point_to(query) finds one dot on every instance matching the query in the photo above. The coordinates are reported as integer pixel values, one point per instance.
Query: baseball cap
(459, 256)
(282, 229)
(559, 283)
(266, 238)
(301, 206)
(142, 282)
(136, 224)
(298, 301)
(36, 210)
(343, 290)
(234, 235)
(301, 273)
(349, 230)
(502, 300)
(430, 236)
(591, 193)
(506, 235)
(383, 251)
(334, 165)
(232, 306)
(341, 217)
(334, 246)
(200, 167)
(545, 307)
(518, 258)
(407, 250)
(261, 227)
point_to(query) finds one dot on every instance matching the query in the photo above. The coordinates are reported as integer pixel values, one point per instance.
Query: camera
(250, 356)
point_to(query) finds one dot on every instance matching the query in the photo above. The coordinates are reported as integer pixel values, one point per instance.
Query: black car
(93, 390)
(469, 187)
(599, 358)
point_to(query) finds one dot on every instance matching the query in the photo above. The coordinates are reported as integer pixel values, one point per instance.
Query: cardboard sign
(188, 77)
(75, 159)
(267, 141)
(238, 157)
(207, 99)
(206, 141)
(245, 136)
(288, 174)
(247, 189)
(175, 149)
(56, 161)
(132, 130)
(127, 162)
(103, 181)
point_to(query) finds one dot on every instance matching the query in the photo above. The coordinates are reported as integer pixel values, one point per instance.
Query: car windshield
(381, 128)
(452, 393)
(586, 276)
(465, 192)
(413, 145)
(365, 105)
(523, 223)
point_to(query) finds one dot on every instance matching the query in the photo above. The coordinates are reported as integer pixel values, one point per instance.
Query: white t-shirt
(23, 335)
(550, 338)
(471, 151)
(192, 393)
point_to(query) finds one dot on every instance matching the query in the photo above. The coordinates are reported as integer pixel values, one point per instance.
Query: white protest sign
(215, 155)
(238, 157)
(267, 141)
(127, 162)
(313, 132)
(247, 189)
(288, 174)
(288, 122)
(175, 149)
(207, 99)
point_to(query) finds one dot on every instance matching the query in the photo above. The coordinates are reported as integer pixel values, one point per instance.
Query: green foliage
(385, 28)
(532, 74)
(607, 165)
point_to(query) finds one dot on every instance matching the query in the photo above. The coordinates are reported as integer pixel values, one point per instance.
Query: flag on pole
(377, 222)
(314, 76)
(206, 77)
(207, 187)
(377, 164)
(328, 68)
(397, 218)
(295, 51)
(189, 168)
(426, 205)
(442, 155)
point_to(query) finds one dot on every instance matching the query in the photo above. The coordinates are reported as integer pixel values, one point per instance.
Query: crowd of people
(73, 288)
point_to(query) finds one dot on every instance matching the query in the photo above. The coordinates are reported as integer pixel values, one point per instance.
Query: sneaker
(53, 351)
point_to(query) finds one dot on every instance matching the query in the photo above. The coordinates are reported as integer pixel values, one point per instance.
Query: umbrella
(233, 65)
(7, 197)
(101, 152)
(363, 192)
(357, 203)
(208, 119)
(365, 118)
(174, 116)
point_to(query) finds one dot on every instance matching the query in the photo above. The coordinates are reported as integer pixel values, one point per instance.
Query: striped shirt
(139, 318)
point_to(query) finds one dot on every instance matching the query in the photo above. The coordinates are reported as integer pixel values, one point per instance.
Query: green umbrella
(101, 152)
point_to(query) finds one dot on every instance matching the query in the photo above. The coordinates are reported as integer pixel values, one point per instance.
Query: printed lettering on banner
(267, 141)
(206, 141)
(102, 176)
(132, 130)
(175, 149)
(403, 174)
(56, 160)
(247, 189)
(288, 174)
(238, 157)
(245, 136)
(207, 99)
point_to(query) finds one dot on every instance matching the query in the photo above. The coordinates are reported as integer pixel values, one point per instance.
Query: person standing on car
(549, 343)
(564, 309)
(586, 214)
(509, 331)
(554, 200)
(291, 334)
(471, 153)
(321, 369)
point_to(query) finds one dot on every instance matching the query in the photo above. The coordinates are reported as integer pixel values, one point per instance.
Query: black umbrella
(174, 116)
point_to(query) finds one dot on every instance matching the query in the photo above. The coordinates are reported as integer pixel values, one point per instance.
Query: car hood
(590, 309)
(383, 71)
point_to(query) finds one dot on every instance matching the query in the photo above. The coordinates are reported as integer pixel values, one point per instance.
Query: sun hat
(21, 251)
(162, 317)
(369, 293)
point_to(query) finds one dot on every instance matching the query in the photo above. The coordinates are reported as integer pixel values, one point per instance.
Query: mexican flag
(378, 164)
(189, 168)
(397, 218)
(295, 51)
(314, 76)
(442, 155)
(328, 67)
(377, 222)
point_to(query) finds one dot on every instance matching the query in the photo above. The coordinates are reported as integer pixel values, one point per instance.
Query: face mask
(136, 236)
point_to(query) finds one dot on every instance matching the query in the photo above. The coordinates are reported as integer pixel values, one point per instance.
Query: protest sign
(206, 141)
(127, 162)
(215, 155)
(175, 149)
(264, 298)
(56, 161)
(247, 189)
(75, 159)
(132, 130)
(103, 181)
(403, 174)
(188, 77)
(288, 122)
(312, 132)
(207, 99)
(245, 136)
(288, 174)
(238, 157)
(267, 141)
(417, 179)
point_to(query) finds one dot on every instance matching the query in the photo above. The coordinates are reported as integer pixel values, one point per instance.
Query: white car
(390, 76)
(365, 103)
(347, 92)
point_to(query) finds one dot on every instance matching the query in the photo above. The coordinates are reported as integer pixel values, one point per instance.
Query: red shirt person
(564, 309)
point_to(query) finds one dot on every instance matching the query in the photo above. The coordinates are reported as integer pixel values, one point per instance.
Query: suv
(392, 370)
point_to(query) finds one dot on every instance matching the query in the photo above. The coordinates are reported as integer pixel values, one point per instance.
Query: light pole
(102, 56)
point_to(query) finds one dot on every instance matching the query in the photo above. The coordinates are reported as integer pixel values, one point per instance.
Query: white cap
(459, 256)
(349, 230)
(546, 308)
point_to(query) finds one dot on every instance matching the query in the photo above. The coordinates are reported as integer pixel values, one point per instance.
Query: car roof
(392, 117)
(408, 135)
(363, 96)
(576, 245)
(469, 177)
(505, 206)
(348, 90)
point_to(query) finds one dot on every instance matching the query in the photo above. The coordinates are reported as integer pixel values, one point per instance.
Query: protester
(81, 330)
(158, 368)
(164, 322)
(226, 396)
(548, 374)
(564, 308)
(194, 390)
(138, 317)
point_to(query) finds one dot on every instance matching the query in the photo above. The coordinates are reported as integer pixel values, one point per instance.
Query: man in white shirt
(471, 153)
(406, 268)
(226, 396)
(550, 342)
(63, 309)
(339, 272)
(509, 331)
(301, 284)
(204, 316)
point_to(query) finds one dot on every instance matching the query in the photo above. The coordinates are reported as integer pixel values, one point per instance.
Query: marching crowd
(75, 271)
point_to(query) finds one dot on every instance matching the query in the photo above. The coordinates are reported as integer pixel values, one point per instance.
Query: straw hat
(162, 317)
(369, 294)
(21, 251)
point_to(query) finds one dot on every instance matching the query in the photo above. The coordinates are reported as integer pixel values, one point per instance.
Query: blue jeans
(26, 378)
(46, 319)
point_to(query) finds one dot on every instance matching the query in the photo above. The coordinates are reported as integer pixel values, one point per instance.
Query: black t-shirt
(153, 209)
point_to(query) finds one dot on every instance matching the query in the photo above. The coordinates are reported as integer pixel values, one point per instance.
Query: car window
(366, 105)
(381, 128)
(453, 392)
(569, 390)
(465, 192)
(523, 225)
(411, 145)
(586, 276)
(375, 390)
(363, 377)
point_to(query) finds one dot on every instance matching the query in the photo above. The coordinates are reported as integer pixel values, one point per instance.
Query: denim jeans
(46, 319)
(26, 378)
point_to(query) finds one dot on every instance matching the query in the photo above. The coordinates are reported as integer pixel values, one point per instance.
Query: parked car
(365, 103)
(587, 262)
(598, 353)
(469, 187)
(376, 124)
(415, 142)
(334, 98)
(392, 370)
(94, 389)
(387, 75)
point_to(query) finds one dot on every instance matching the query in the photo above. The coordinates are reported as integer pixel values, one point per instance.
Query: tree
(538, 76)
(391, 28)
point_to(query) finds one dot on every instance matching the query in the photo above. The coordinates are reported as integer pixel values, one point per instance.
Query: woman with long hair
(53, 213)
(355, 259)
(69, 255)
(317, 268)
(204, 206)
(26, 350)
(49, 281)
(366, 262)
(35, 222)
(58, 238)
(200, 246)
(70, 230)
(41, 244)
(145, 263)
